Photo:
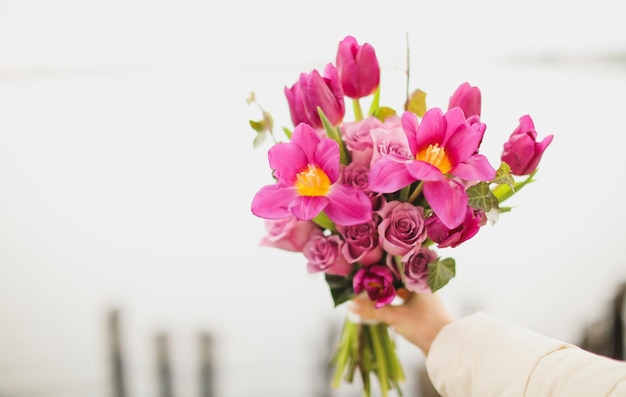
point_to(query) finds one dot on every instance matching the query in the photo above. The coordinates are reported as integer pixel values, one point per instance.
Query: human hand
(418, 319)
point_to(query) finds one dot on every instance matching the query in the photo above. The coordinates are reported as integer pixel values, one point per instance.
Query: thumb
(364, 308)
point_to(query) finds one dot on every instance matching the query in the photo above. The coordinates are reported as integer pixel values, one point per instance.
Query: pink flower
(289, 234)
(357, 175)
(307, 173)
(416, 270)
(443, 147)
(357, 137)
(467, 98)
(522, 152)
(452, 237)
(313, 90)
(358, 68)
(324, 255)
(377, 282)
(402, 229)
(361, 243)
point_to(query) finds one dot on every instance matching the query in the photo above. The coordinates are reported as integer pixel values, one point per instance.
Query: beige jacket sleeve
(481, 356)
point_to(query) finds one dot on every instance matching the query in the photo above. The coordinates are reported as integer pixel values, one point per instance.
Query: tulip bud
(522, 152)
(467, 98)
(358, 68)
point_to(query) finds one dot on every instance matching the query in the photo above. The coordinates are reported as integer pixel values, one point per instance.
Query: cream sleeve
(481, 356)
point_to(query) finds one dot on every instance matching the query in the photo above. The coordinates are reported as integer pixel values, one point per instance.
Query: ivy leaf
(440, 272)
(417, 102)
(504, 177)
(481, 197)
(340, 288)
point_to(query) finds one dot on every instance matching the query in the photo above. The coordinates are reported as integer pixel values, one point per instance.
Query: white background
(127, 171)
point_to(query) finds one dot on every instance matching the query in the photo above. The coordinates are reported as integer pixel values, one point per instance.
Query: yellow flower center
(436, 156)
(312, 182)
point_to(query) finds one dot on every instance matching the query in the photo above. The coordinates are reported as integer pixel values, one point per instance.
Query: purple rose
(446, 237)
(324, 254)
(361, 243)
(377, 282)
(390, 141)
(356, 174)
(416, 270)
(289, 234)
(522, 152)
(402, 229)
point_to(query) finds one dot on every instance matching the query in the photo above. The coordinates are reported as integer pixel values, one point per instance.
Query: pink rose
(467, 98)
(289, 234)
(356, 174)
(416, 270)
(377, 282)
(402, 229)
(445, 237)
(361, 243)
(522, 152)
(324, 254)
(357, 137)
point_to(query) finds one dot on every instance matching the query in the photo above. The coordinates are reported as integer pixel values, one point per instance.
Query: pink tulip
(307, 182)
(358, 68)
(467, 98)
(443, 152)
(377, 282)
(312, 91)
(522, 152)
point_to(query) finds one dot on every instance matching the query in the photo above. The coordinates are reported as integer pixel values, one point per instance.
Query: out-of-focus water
(127, 184)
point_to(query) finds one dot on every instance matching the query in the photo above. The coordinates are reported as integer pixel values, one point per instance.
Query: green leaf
(287, 132)
(383, 113)
(259, 139)
(440, 272)
(333, 133)
(375, 105)
(324, 221)
(503, 176)
(417, 102)
(481, 197)
(340, 288)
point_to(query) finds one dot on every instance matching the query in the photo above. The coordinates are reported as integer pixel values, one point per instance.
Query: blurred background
(129, 259)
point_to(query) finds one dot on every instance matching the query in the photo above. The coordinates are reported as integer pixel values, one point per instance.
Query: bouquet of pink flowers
(366, 200)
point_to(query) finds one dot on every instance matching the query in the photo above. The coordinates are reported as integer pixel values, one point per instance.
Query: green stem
(503, 192)
(381, 359)
(358, 112)
(416, 192)
(343, 351)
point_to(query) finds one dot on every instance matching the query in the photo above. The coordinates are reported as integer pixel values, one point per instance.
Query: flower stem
(416, 192)
(381, 359)
(358, 112)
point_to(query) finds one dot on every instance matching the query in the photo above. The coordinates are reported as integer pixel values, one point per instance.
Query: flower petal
(308, 207)
(306, 138)
(423, 171)
(476, 168)
(388, 175)
(466, 140)
(348, 206)
(432, 129)
(273, 202)
(286, 160)
(326, 156)
(409, 125)
(448, 200)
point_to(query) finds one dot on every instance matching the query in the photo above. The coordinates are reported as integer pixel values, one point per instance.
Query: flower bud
(358, 68)
(522, 152)
(468, 98)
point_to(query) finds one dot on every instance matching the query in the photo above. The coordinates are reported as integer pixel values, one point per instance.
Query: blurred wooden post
(207, 387)
(116, 356)
(164, 369)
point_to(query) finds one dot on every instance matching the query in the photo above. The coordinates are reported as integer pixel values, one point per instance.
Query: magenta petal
(305, 137)
(423, 171)
(348, 206)
(448, 200)
(308, 207)
(432, 129)
(388, 176)
(476, 168)
(454, 118)
(465, 142)
(273, 202)
(287, 160)
(327, 157)
(409, 125)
